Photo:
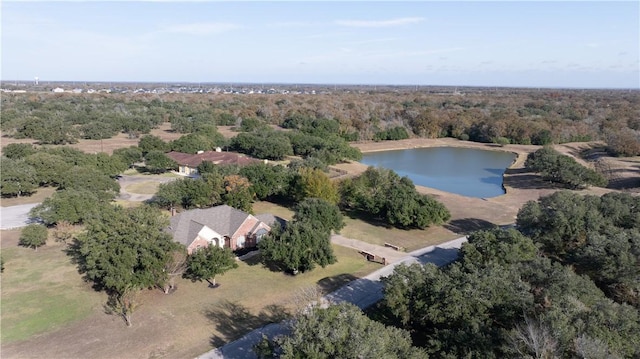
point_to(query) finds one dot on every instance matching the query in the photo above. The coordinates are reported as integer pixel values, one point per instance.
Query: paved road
(15, 216)
(362, 292)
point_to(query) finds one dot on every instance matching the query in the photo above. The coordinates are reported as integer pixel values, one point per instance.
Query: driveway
(15, 216)
(362, 292)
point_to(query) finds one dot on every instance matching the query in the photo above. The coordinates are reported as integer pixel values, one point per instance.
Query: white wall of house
(211, 236)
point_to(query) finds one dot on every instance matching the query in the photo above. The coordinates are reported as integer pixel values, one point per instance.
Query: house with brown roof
(188, 163)
(222, 226)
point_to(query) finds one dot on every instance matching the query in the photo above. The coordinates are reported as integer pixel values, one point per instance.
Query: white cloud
(380, 23)
(202, 28)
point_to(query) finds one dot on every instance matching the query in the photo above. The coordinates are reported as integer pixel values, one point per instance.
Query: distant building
(188, 163)
(57, 90)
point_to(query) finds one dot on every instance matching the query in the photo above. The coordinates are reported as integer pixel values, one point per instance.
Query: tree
(110, 165)
(340, 331)
(267, 180)
(238, 193)
(18, 178)
(383, 194)
(299, 247)
(33, 235)
(320, 212)
(129, 155)
(192, 143)
(175, 267)
(50, 168)
(149, 143)
(70, 205)
(316, 184)
(598, 236)
(264, 144)
(124, 251)
(92, 180)
(206, 263)
(158, 162)
(18, 150)
(562, 169)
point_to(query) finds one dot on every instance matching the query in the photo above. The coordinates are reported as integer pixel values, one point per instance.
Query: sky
(575, 44)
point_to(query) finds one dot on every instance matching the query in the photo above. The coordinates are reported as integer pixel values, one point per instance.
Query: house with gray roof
(222, 226)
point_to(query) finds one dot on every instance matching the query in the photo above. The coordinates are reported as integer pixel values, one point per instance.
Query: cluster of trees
(391, 134)
(240, 186)
(306, 241)
(502, 299)
(339, 331)
(316, 139)
(516, 116)
(25, 169)
(558, 168)
(393, 199)
(597, 236)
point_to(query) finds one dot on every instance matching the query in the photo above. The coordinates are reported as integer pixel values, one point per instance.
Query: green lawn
(41, 291)
(147, 187)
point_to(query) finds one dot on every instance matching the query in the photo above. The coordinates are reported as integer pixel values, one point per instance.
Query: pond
(465, 171)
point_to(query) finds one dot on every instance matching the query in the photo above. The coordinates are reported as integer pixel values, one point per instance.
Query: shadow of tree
(76, 257)
(523, 178)
(329, 284)
(366, 217)
(233, 320)
(468, 225)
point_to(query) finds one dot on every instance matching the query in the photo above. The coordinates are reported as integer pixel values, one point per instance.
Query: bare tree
(533, 339)
(174, 268)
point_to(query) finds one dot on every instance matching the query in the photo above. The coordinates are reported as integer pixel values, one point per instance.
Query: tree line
(501, 116)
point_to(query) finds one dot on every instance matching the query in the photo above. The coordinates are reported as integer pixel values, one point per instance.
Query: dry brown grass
(40, 195)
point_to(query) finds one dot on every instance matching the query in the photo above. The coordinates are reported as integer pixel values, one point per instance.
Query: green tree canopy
(149, 143)
(158, 162)
(599, 236)
(70, 205)
(299, 247)
(342, 331)
(501, 299)
(92, 180)
(266, 180)
(206, 263)
(391, 198)
(18, 150)
(124, 251)
(129, 155)
(562, 169)
(50, 168)
(320, 212)
(272, 145)
(33, 235)
(18, 178)
(313, 183)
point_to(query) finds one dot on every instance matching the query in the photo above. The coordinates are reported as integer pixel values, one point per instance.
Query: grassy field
(147, 187)
(37, 197)
(41, 291)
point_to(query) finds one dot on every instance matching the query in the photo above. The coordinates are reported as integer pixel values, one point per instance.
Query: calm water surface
(466, 171)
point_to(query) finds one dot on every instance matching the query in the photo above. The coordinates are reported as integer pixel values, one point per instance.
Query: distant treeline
(501, 116)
